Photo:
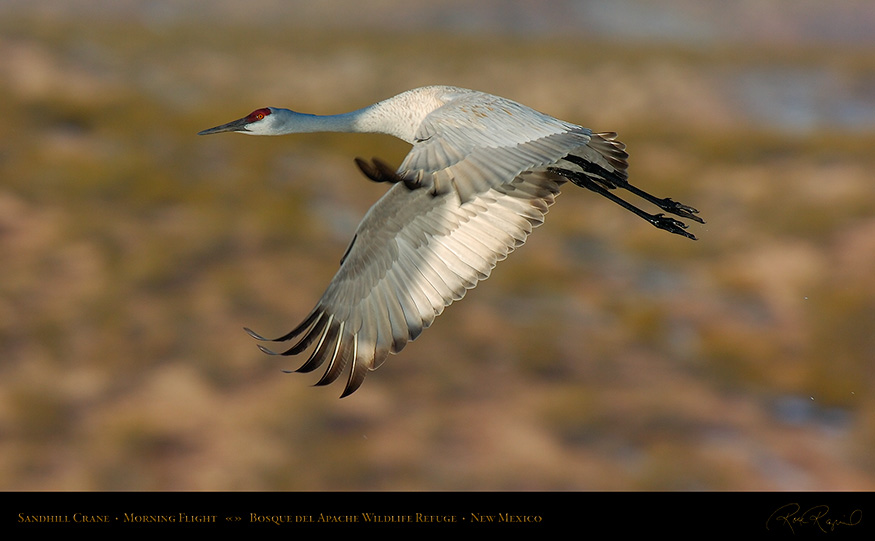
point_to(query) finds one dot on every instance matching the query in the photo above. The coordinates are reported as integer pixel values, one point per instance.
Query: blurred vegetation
(605, 355)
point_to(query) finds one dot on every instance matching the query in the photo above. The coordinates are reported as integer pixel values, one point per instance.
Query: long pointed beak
(237, 125)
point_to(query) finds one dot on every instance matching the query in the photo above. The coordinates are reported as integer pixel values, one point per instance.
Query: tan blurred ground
(603, 355)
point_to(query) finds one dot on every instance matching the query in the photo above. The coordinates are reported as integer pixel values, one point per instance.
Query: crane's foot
(678, 209)
(661, 221)
(602, 182)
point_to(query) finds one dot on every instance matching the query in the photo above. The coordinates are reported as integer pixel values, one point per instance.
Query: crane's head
(258, 122)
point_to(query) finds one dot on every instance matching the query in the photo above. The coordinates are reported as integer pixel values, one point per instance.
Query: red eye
(257, 115)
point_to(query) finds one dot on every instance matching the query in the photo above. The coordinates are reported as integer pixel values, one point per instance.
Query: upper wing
(478, 141)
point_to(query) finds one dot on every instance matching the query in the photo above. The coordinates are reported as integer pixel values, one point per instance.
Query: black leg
(660, 221)
(615, 180)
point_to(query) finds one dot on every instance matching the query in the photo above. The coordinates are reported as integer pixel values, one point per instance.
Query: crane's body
(482, 173)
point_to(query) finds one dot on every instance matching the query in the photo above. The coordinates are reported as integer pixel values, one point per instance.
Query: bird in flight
(481, 174)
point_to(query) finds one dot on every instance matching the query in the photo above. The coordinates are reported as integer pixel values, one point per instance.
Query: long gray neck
(384, 117)
(294, 122)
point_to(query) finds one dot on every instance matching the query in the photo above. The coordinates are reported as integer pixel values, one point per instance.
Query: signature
(817, 516)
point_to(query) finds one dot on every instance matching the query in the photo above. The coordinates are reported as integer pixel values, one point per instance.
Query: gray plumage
(481, 175)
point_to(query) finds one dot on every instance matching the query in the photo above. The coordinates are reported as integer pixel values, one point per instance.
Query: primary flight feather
(482, 173)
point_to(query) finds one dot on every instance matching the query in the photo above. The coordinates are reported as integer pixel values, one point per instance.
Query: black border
(793, 514)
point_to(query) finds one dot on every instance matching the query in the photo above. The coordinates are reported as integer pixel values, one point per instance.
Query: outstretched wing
(413, 255)
(474, 186)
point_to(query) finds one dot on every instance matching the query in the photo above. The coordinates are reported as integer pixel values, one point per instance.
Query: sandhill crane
(481, 174)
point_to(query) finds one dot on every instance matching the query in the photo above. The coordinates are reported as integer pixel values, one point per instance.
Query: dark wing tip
(377, 170)
(255, 335)
(356, 377)
(380, 171)
(267, 351)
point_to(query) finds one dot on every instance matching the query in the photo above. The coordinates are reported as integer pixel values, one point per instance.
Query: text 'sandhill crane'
(481, 175)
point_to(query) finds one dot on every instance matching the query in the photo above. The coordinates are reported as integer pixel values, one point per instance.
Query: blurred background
(603, 355)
